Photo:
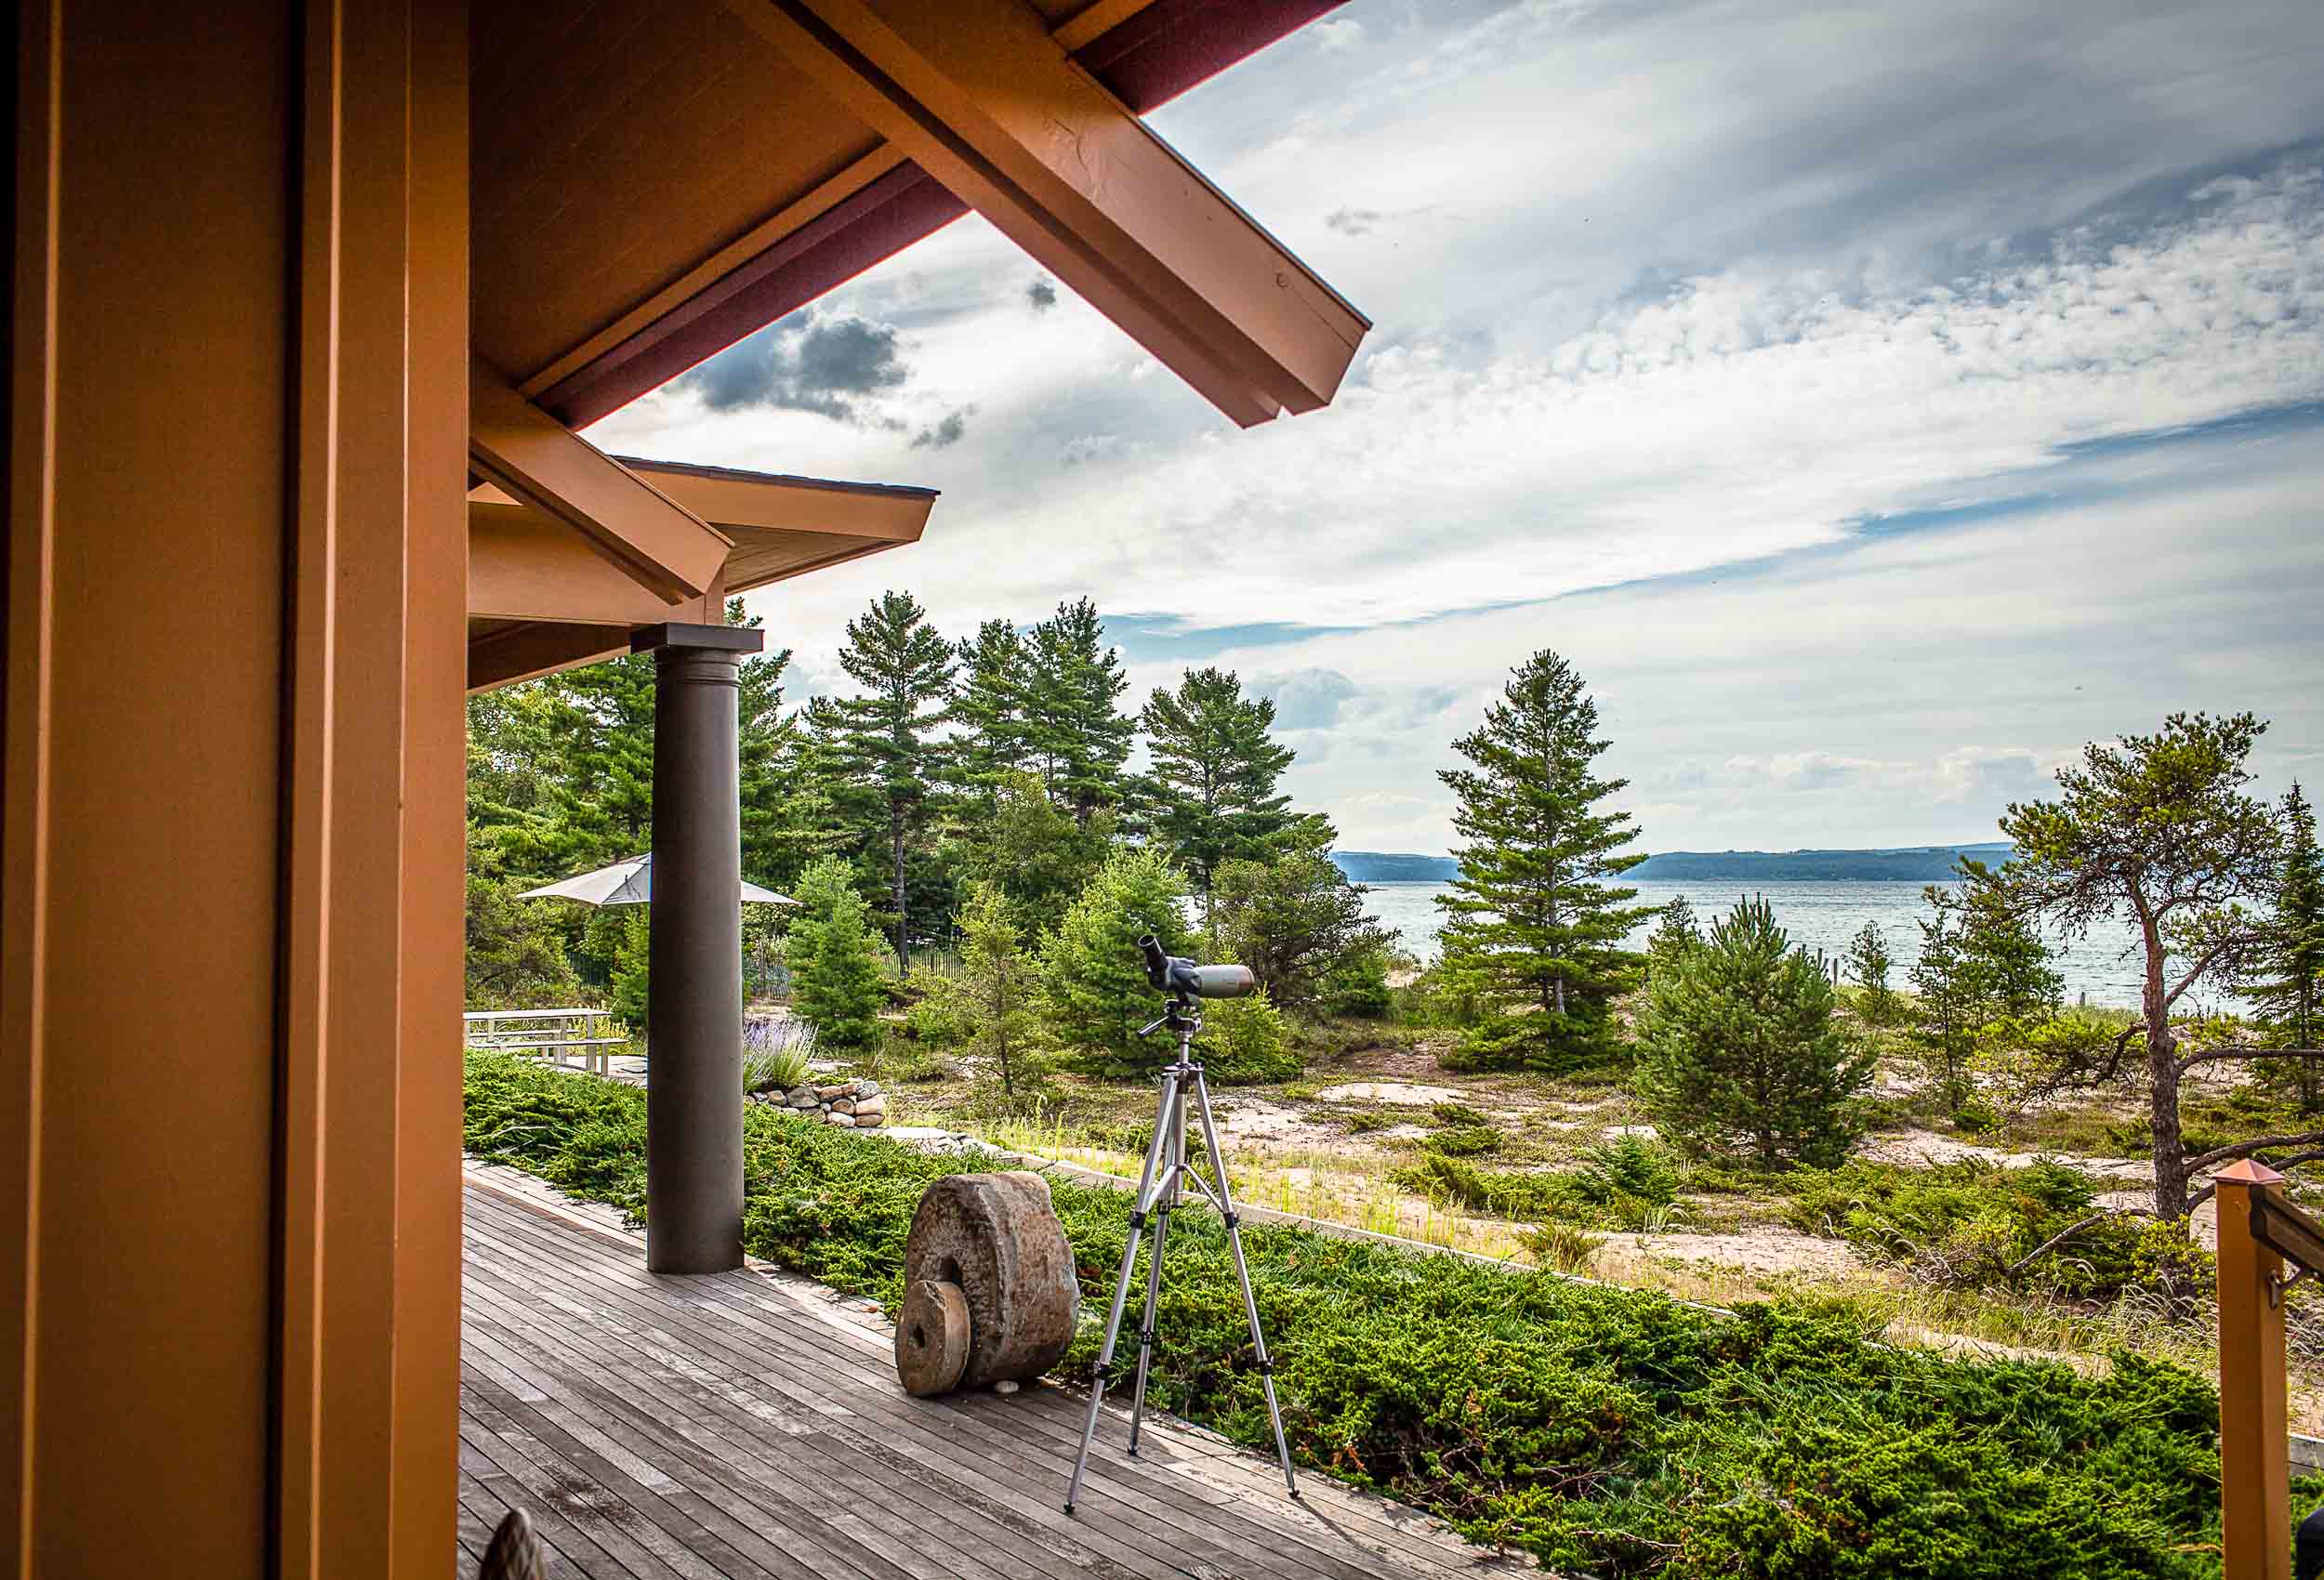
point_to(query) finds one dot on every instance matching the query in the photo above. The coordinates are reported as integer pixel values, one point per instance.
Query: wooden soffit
(654, 179)
(542, 597)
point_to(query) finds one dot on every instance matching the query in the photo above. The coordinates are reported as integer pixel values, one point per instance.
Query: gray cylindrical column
(694, 985)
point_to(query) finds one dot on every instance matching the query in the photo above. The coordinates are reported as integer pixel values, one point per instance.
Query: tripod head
(1181, 978)
(1187, 983)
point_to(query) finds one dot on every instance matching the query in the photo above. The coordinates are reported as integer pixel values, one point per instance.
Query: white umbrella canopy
(629, 883)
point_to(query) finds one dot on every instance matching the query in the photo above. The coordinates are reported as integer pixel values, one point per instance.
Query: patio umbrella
(629, 883)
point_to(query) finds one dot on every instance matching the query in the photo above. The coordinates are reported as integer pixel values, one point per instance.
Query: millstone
(997, 1238)
(931, 1338)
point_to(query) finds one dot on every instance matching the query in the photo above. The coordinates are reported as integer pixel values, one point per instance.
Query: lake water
(1820, 916)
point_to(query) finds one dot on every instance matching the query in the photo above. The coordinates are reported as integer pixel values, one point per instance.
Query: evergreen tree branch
(2214, 1054)
(2245, 1148)
(2071, 1230)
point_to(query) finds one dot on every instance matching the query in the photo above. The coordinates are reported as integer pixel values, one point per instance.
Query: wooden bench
(530, 1032)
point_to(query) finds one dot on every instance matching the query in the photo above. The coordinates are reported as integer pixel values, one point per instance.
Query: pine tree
(1738, 1053)
(2283, 978)
(1949, 1001)
(1211, 796)
(602, 718)
(1981, 963)
(1296, 922)
(1026, 846)
(787, 818)
(996, 731)
(1532, 917)
(1868, 961)
(1675, 933)
(889, 734)
(1076, 734)
(2010, 957)
(834, 965)
(1093, 979)
(995, 992)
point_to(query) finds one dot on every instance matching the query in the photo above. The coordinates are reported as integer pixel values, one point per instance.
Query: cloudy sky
(1875, 403)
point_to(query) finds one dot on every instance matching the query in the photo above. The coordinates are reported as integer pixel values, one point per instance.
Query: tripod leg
(1242, 1272)
(1145, 1327)
(1145, 1198)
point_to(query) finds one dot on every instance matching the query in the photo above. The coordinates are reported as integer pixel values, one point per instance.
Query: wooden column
(230, 907)
(2254, 1469)
(693, 1082)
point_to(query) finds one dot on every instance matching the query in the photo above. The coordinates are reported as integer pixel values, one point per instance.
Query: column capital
(710, 638)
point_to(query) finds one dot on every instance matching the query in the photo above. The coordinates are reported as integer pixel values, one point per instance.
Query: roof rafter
(537, 461)
(979, 95)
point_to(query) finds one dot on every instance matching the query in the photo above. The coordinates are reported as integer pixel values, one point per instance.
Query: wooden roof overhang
(543, 598)
(652, 180)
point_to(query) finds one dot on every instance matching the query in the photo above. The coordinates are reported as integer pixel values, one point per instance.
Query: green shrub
(1447, 1180)
(1965, 1224)
(940, 1020)
(1441, 997)
(1456, 1113)
(1600, 1430)
(1564, 1247)
(626, 993)
(1464, 1140)
(1093, 979)
(1367, 1123)
(1627, 1167)
(1737, 1054)
(1242, 1043)
(1974, 1116)
(1358, 986)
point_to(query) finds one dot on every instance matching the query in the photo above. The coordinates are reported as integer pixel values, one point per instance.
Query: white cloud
(1682, 296)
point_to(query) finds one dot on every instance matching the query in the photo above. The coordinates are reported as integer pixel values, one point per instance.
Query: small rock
(1005, 1385)
(843, 1105)
(870, 1121)
(800, 1096)
(869, 1105)
(838, 1119)
(825, 1094)
(866, 1088)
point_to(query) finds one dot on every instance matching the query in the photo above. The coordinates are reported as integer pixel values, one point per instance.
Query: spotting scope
(1181, 978)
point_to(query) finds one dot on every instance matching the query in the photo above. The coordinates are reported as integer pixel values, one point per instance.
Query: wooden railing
(2260, 1235)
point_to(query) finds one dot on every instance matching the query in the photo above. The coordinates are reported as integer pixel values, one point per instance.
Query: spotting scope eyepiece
(1182, 977)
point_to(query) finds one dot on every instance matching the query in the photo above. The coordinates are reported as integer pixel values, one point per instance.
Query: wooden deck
(749, 1424)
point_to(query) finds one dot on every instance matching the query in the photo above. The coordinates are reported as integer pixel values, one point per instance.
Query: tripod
(1158, 1195)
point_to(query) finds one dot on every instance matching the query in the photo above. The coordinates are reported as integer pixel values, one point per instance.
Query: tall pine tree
(1211, 796)
(889, 736)
(1077, 735)
(785, 818)
(1534, 916)
(996, 684)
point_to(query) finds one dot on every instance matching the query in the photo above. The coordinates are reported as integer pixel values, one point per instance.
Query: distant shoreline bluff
(1918, 863)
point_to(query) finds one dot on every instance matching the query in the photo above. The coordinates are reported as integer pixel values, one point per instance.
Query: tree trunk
(895, 834)
(2162, 1072)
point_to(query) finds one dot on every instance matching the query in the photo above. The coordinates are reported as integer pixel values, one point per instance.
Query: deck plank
(749, 1424)
(1183, 1523)
(1177, 1484)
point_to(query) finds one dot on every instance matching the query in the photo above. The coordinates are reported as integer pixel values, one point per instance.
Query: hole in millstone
(919, 1337)
(948, 1271)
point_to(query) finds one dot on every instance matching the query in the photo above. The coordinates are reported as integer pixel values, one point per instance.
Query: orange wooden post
(2255, 1471)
